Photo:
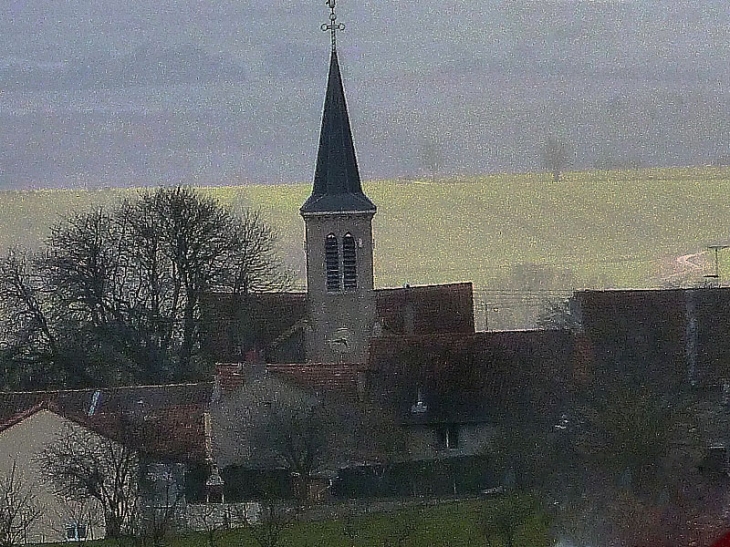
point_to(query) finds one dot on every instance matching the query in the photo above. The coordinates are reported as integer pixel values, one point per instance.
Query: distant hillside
(506, 233)
(134, 94)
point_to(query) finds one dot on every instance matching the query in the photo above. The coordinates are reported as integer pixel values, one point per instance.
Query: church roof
(425, 309)
(337, 187)
(232, 324)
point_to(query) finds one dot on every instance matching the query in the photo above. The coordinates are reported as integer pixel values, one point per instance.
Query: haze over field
(139, 92)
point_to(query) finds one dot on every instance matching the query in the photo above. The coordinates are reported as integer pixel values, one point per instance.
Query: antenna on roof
(420, 407)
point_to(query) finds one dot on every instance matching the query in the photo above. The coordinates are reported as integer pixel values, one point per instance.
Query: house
(23, 438)
(242, 407)
(450, 391)
(174, 415)
(666, 340)
(170, 434)
(673, 344)
(286, 430)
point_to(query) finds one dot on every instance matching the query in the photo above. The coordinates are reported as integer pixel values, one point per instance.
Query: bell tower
(339, 237)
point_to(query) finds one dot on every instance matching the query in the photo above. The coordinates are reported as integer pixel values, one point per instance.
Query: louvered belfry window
(349, 262)
(332, 262)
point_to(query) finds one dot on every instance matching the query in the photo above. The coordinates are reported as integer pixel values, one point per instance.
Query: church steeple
(337, 187)
(339, 236)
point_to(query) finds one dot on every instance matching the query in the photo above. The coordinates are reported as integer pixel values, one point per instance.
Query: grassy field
(454, 524)
(594, 229)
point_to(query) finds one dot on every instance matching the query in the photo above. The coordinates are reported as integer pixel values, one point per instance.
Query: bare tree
(212, 519)
(256, 266)
(559, 314)
(297, 433)
(29, 345)
(351, 529)
(300, 436)
(432, 156)
(19, 509)
(80, 519)
(119, 289)
(629, 432)
(556, 156)
(83, 465)
(161, 499)
(274, 520)
(376, 434)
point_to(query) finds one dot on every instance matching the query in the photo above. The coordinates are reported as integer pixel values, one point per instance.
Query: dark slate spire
(337, 186)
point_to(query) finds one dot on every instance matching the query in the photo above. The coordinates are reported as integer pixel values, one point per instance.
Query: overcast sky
(139, 92)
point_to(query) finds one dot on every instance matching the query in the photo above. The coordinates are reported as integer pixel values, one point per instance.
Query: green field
(454, 524)
(594, 229)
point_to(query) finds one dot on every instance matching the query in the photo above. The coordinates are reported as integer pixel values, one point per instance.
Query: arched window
(332, 262)
(349, 262)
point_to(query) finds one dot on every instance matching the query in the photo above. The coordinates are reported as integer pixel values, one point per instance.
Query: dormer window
(332, 262)
(349, 262)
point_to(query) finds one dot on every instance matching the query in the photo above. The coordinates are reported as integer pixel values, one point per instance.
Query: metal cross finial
(333, 26)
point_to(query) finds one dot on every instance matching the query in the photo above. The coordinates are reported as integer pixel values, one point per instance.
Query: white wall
(424, 441)
(22, 445)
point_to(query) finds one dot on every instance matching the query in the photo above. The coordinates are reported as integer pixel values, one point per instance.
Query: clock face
(341, 340)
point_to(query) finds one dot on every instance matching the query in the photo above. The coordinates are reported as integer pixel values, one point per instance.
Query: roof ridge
(107, 388)
(316, 365)
(50, 406)
(428, 286)
(22, 415)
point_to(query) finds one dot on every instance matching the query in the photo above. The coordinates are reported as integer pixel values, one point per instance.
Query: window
(349, 262)
(332, 262)
(76, 532)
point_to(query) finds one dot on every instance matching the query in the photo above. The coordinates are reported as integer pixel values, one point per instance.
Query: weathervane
(333, 26)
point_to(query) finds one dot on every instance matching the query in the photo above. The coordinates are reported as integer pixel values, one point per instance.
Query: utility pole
(717, 248)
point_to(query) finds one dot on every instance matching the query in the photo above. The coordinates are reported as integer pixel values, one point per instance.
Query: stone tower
(339, 238)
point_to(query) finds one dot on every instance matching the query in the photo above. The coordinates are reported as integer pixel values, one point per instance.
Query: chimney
(228, 377)
(420, 407)
(409, 313)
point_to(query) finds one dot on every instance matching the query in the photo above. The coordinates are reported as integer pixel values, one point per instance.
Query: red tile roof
(174, 433)
(658, 329)
(27, 413)
(174, 414)
(111, 399)
(471, 376)
(426, 309)
(272, 322)
(263, 316)
(325, 378)
(229, 376)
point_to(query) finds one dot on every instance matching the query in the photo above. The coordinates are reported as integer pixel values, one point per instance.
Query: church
(341, 311)
(411, 350)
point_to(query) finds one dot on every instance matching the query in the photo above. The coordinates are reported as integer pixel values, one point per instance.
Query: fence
(220, 516)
